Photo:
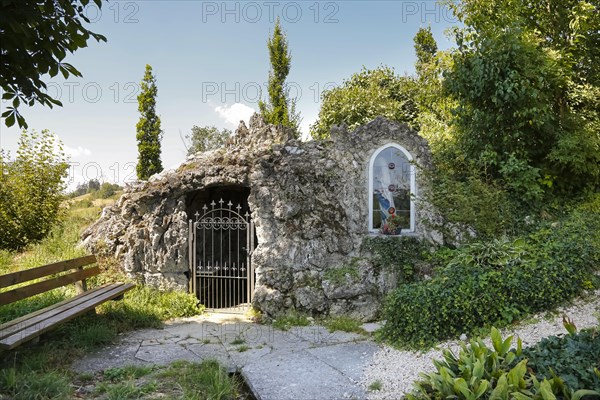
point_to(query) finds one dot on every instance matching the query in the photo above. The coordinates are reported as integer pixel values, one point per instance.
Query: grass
(238, 340)
(242, 348)
(206, 380)
(375, 386)
(344, 324)
(41, 371)
(290, 320)
(28, 385)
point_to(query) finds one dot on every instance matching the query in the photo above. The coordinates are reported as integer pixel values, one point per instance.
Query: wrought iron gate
(221, 241)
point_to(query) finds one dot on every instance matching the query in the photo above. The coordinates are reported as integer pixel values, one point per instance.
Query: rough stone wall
(308, 200)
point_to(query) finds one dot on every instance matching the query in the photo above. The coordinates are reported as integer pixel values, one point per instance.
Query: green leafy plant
(574, 358)
(343, 274)
(31, 188)
(497, 282)
(365, 96)
(398, 254)
(490, 373)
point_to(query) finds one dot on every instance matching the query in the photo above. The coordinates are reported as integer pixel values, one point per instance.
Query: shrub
(463, 208)
(30, 189)
(574, 358)
(497, 282)
(399, 254)
(144, 307)
(482, 372)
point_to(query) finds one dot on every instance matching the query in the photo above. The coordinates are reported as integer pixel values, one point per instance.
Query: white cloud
(77, 151)
(235, 113)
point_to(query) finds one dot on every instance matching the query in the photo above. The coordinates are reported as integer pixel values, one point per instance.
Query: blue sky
(211, 60)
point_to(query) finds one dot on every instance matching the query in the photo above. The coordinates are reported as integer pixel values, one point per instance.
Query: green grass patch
(238, 340)
(344, 324)
(242, 348)
(290, 320)
(29, 385)
(203, 381)
(342, 274)
(375, 386)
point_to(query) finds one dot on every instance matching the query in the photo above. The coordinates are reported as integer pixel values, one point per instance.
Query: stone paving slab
(301, 363)
(298, 376)
(348, 358)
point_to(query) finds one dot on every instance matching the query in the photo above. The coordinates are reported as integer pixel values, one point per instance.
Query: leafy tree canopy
(207, 138)
(366, 95)
(527, 90)
(31, 188)
(35, 37)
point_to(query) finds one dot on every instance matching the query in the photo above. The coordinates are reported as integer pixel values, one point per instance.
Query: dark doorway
(222, 239)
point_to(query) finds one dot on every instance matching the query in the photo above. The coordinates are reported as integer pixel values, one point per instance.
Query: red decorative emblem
(391, 210)
(392, 188)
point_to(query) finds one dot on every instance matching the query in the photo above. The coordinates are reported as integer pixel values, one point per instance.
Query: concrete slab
(248, 356)
(371, 327)
(350, 359)
(298, 376)
(301, 363)
(165, 353)
(212, 351)
(320, 336)
(109, 357)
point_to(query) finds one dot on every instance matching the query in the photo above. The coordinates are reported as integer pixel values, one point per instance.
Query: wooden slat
(68, 314)
(4, 328)
(15, 278)
(44, 286)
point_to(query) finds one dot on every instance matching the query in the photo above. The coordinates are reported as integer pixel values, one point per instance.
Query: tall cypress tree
(281, 109)
(149, 133)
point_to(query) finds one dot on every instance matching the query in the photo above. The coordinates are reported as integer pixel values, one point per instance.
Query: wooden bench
(63, 273)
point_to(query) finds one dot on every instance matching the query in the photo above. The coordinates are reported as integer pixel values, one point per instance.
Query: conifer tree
(149, 133)
(280, 110)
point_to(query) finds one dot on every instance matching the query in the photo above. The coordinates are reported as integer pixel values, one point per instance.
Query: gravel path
(397, 370)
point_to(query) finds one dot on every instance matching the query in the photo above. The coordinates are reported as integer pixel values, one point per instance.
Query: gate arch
(221, 245)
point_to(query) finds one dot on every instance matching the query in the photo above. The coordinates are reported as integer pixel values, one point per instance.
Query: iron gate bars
(221, 241)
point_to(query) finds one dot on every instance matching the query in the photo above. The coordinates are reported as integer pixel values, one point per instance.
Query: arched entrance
(221, 236)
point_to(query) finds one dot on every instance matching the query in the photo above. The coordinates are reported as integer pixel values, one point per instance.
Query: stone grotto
(296, 214)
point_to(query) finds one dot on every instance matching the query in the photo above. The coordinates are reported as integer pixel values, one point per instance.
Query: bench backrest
(15, 278)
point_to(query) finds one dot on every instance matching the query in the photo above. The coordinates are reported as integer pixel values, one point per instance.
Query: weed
(344, 324)
(291, 319)
(21, 385)
(207, 380)
(125, 390)
(238, 340)
(375, 386)
(343, 274)
(127, 372)
(242, 348)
